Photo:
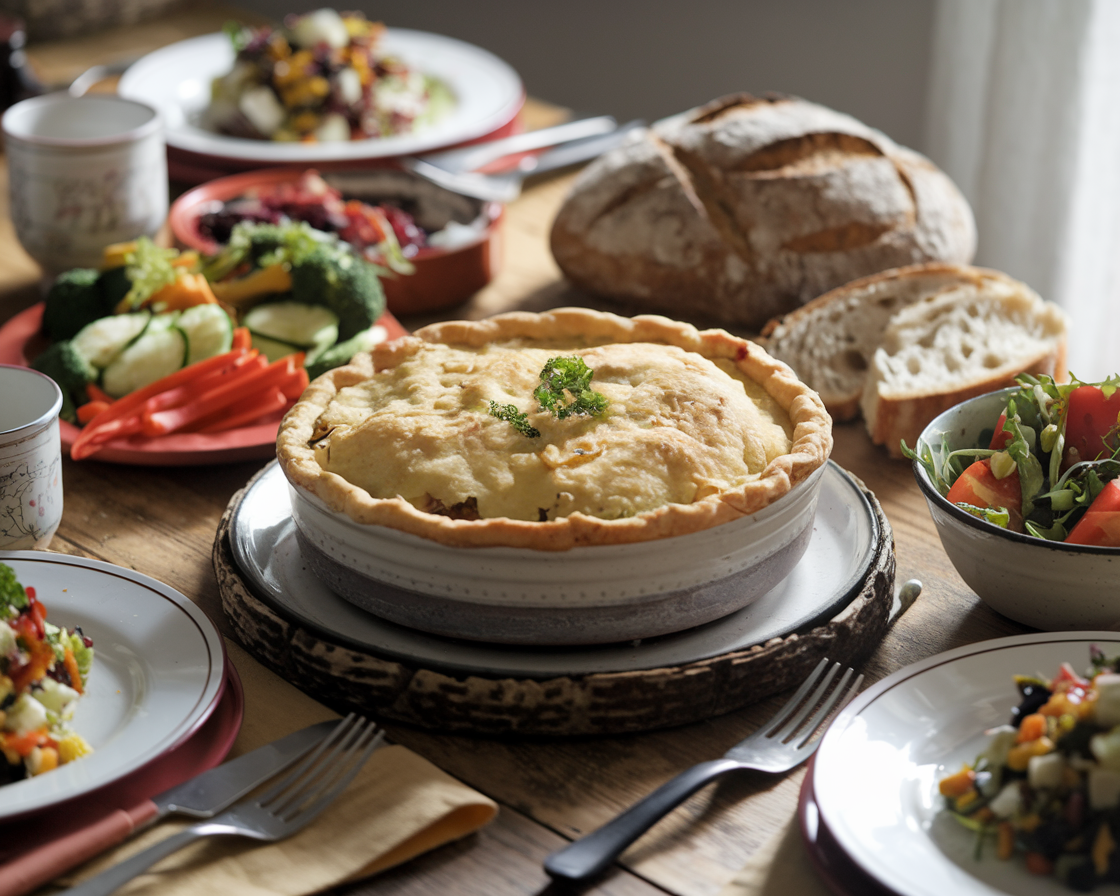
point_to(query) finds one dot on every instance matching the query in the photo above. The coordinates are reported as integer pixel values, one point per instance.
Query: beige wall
(648, 59)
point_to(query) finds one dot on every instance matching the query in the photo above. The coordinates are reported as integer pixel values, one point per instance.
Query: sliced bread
(954, 345)
(830, 341)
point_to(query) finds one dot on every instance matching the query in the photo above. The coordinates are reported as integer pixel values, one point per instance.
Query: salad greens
(1033, 441)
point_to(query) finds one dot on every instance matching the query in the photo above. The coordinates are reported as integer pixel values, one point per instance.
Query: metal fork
(287, 807)
(786, 741)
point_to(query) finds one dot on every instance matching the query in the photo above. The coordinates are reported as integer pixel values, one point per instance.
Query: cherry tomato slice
(978, 486)
(1101, 523)
(1001, 438)
(1090, 418)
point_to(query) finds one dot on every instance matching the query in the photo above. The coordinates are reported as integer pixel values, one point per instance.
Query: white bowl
(1044, 584)
(587, 595)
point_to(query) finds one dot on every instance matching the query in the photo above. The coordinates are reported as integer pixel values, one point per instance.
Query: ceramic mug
(84, 172)
(30, 459)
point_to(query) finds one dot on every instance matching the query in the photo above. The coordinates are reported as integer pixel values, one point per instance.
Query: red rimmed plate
(20, 341)
(442, 277)
(159, 671)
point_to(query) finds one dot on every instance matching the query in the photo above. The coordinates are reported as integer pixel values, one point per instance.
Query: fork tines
(326, 771)
(790, 722)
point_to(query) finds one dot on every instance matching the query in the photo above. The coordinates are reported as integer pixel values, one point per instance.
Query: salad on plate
(43, 674)
(1049, 467)
(1047, 786)
(321, 78)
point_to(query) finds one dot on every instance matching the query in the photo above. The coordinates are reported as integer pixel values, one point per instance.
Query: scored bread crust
(830, 342)
(811, 443)
(747, 208)
(897, 404)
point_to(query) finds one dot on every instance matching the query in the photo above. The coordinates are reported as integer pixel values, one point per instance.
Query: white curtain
(1024, 114)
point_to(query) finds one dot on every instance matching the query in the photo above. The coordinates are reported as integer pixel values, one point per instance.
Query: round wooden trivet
(595, 703)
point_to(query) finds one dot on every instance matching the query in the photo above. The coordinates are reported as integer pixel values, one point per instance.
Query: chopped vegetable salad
(43, 673)
(1047, 786)
(1049, 467)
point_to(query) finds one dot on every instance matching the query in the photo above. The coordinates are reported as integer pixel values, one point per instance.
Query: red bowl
(442, 277)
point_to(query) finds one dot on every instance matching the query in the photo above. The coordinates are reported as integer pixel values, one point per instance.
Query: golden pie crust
(702, 428)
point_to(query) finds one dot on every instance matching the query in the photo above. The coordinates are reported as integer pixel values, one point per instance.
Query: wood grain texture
(163, 522)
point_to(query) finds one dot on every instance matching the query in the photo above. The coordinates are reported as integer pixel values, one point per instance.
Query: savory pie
(445, 434)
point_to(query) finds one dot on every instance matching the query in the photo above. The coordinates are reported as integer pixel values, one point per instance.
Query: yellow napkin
(781, 867)
(398, 807)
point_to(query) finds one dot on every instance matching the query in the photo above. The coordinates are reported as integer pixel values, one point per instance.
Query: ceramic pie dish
(705, 465)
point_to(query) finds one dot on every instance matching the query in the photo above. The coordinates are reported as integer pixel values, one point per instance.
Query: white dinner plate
(176, 80)
(158, 671)
(876, 771)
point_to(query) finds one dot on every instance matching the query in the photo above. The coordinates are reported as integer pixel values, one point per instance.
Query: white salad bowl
(1044, 584)
(587, 595)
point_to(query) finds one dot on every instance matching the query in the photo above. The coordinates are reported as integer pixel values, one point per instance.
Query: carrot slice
(96, 393)
(248, 410)
(242, 338)
(86, 412)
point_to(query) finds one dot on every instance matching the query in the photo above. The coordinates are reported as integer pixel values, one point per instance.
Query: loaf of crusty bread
(955, 345)
(746, 208)
(831, 341)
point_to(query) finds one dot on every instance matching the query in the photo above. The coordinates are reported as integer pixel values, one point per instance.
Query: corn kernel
(1019, 756)
(73, 746)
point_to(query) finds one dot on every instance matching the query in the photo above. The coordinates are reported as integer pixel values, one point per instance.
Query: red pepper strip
(90, 409)
(89, 440)
(96, 393)
(247, 410)
(217, 399)
(187, 393)
(242, 338)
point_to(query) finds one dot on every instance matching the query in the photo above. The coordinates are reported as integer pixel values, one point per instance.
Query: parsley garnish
(565, 389)
(514, 418)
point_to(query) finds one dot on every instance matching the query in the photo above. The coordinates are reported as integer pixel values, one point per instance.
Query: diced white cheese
(26, 714)
(334, 129)
(1108, 699)
(1007, 802)
(348, 86)
(1104, 789)
(1002, 740)
(262, 108)
(57, 697)
(321, 26)
(1106, 748)
(1046, 771)
(7, 639)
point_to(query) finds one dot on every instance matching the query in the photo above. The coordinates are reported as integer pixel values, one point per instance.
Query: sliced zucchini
(162, 321)
(156, 354)
(209, 331)
(312, 328)
(102, 340)
(274, 349)
(341, 352)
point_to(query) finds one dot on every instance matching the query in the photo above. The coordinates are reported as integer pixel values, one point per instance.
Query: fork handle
(117, 876)
(589, 855)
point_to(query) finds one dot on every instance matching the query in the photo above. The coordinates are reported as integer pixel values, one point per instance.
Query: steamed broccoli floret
(74, 300)
(114, 284)
(344, 283)
(62, 363)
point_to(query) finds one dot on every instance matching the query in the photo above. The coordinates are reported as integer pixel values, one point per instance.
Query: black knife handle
(588, 856)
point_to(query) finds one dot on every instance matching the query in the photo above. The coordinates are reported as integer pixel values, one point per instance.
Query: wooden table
(161, 522)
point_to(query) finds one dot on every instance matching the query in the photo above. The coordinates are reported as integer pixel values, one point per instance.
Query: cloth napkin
(780, 867)
(399, 806)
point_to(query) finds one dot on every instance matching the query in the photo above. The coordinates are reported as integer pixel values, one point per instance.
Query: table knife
(203, 796)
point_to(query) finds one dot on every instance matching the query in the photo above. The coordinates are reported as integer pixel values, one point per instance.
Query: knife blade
(202, 796)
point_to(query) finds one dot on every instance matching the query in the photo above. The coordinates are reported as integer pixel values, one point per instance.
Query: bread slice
(830, 341)
(955, 345)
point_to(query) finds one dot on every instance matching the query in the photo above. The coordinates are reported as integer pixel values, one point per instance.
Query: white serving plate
(158, 671)
(176, 80)
(844, 539)
(876, 771)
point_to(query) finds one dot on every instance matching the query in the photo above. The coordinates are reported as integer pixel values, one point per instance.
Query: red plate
(20, 341)
(203, 750)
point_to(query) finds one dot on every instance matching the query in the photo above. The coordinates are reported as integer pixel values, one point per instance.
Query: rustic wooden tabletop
(162, 522)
